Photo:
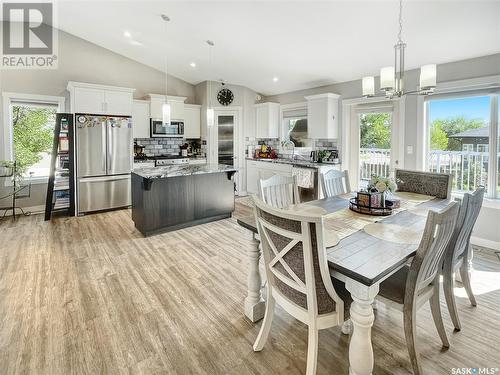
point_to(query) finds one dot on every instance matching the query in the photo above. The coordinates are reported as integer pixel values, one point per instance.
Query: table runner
(346, 222)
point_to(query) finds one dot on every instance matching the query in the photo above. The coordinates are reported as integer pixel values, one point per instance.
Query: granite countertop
(297, 163)
(150, 159)
(182, 170)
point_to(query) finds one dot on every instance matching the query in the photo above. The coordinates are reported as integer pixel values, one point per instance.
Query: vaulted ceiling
(302, 43)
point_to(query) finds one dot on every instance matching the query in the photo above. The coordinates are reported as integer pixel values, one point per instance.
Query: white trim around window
(484, 86)
(289, 107)
(7, 99)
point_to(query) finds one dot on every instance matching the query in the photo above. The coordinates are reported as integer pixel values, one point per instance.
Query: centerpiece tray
(358, 207)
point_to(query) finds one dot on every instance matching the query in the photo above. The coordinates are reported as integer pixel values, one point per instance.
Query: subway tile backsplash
(159, 146)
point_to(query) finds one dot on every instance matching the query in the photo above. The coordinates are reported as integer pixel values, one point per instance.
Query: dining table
(360, 260)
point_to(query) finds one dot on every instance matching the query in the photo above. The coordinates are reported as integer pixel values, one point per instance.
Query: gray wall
(80, 60)
(471, 68)
(487, 224)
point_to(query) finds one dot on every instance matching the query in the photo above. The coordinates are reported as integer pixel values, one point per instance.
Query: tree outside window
(33, 130)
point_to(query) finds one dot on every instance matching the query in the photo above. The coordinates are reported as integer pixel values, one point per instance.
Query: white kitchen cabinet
(176, 106)
(118, 103)
(88, 100)
(267, 120)
(322, 116)
(100, 99)
(140, 119)
(264, 169)
(192, 121)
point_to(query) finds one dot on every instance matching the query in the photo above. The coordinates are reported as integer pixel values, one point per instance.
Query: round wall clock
(225, 96)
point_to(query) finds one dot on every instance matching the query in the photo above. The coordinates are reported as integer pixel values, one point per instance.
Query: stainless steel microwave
(159, 130)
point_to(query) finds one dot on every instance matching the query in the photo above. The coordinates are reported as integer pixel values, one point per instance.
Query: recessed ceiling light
(275, 79)
(192, 65)
(127, 34)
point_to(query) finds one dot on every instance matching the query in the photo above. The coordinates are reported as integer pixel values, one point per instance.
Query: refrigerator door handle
(109, 156)
(105, 178)
(103, 146)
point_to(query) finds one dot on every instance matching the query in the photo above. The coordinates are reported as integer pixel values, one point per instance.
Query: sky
(477, 107)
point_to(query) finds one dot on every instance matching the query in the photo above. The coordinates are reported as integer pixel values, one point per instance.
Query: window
(33, 132)
(295, 127)
(460, 138)
(30, 137)
(482, 148)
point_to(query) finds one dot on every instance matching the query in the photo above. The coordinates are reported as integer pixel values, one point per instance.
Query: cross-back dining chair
(459, 252)
(412, 286)
(335, 183)
(279, 191)
(298, 276)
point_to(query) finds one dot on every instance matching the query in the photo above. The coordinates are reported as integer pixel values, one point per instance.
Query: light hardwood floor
(90, 295)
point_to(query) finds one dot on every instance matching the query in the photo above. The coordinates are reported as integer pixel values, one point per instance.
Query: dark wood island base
(171, 198)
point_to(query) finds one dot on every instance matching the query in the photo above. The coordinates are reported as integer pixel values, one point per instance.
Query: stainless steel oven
(174, 129)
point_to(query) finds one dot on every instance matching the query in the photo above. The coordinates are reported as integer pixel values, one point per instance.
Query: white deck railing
(469, 169)
(374, 161)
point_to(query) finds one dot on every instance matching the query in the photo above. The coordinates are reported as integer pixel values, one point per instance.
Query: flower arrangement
(382, 184)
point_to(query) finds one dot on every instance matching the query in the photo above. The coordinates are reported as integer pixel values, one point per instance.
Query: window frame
(10, 99)
(494, 95)
(283, 131)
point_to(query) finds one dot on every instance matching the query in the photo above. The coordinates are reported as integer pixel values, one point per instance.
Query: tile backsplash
(319, 144)
(159, 146)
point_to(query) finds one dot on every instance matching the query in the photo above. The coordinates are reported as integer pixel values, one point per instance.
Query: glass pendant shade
(428, 77)
(166, 114)
(210, 117)
(368, 84)
(387, 78)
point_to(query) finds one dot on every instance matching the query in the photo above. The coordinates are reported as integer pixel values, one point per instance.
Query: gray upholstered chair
(335, 183)
(412, 286)
(428, 183)
(279, 191)
(297, 274)
(459, 252)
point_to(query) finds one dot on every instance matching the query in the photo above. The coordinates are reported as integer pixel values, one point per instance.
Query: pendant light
(392, 78)
(165, 109)
(210, 109)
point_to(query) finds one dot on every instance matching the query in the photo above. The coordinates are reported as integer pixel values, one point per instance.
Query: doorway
(375, 141)
(226, 142)
(375, 130)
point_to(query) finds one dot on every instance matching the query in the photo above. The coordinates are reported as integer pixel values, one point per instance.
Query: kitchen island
(174, 197)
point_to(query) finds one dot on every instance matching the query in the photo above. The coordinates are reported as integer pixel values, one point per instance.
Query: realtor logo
(29, 36)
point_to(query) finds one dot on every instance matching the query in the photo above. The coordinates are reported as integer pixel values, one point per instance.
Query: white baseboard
(485, 243)
(33, 209)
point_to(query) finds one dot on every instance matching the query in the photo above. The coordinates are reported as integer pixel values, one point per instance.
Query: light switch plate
(409, 150)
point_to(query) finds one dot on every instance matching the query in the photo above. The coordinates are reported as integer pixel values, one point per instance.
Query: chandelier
(392, 78)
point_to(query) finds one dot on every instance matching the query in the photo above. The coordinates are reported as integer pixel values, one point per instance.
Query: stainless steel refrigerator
(225, 135)
(104, 159)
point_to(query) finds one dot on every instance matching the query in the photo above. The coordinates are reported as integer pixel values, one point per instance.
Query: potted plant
(382, 185)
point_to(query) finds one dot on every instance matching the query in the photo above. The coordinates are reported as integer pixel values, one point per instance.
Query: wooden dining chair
(335, 183)
(410, 287)
(298, 276)
(279, 191)
(459, 252)
(428, 183)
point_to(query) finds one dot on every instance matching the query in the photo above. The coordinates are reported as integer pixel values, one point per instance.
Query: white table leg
(360, 347)
(254, 303)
